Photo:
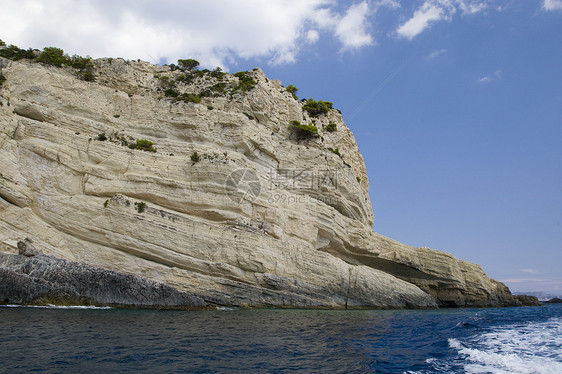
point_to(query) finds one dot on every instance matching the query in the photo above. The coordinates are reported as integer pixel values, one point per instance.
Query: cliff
(202, 182)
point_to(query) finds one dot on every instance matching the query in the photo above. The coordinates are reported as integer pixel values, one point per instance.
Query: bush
(2, 79)
(245, 82)
(81, 63)
(292, 90)
(305, 131)
(143, 145)
(195, 157)
(14, 53)
(186, 78)
(54, 56)
(218, 74)
(170, 92)
(316, 108)
(331, 127)
(189, 98)
(87, 75)
(2, 44)
(188, 64)
(140, 207)
(102, 137)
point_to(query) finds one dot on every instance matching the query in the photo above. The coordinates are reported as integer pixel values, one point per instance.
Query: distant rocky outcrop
(527, 300)
(223, 186)
(555, 300)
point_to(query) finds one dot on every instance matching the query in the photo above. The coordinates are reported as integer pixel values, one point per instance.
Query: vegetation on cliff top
(52, 56)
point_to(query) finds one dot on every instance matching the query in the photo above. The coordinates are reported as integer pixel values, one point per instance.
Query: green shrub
(188, 64)
(331, 127)
(245, 82)
(202, 73)
(140, 206)
(189, 98)
(54, 56)
(316, 108)
(219, 88)
(2, 44)
(358, 179)
(195, 157)
(292, 90)
(170, 92)
(143, 145)
(185, 77)
(14, 53)
(102, 137)
(87, 75)
(81, 63)
(106, 203)
(218, 74)
(305, 131)
(2, 79)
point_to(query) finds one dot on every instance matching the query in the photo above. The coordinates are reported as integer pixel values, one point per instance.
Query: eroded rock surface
(259, 217)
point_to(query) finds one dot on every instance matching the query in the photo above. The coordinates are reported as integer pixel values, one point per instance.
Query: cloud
(216, 32)
(533, 285)
(312, 36)
(529, 271)
(430, 12)
(552, 5)
(435, 53)
(351, 29)
(488, 78)
(471, 7)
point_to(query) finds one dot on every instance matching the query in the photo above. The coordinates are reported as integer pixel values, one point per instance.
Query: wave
(521, 348)
(51, 306)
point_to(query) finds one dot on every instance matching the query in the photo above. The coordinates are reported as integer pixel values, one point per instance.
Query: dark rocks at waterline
(527, 300)
(555, 300)
(41, 280)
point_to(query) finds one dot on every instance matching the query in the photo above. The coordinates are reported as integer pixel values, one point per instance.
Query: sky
(456, 105)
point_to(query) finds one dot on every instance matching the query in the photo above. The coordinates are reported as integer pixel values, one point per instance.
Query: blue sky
(456, 104)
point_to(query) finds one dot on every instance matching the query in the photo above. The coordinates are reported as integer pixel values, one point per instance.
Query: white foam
(51, 306)
(224, 308)
(521, 348)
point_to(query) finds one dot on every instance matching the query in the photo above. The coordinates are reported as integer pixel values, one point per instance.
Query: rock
(48, 280)
(25, 248)
(260, 218)
(526, 300)
(555, 300)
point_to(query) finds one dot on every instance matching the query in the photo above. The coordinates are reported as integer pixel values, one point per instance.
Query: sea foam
(520, 348)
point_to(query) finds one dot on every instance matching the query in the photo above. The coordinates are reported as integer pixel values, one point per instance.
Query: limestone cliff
(203, 182)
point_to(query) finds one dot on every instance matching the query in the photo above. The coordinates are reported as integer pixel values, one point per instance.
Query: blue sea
(85, 340)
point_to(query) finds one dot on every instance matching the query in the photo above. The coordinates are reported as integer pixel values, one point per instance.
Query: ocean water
(85, 340)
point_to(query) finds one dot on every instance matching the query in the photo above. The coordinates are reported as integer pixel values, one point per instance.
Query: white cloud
(529, 271)
(471, 6)
(488, 78)
(216, 32)
(435, 53)
(552, 4)
(431, 11)
(312, 36)
(351, 29)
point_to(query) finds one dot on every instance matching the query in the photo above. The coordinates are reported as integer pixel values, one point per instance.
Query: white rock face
(262, 219)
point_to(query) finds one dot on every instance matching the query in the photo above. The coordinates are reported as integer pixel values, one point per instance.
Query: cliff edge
(221, 186)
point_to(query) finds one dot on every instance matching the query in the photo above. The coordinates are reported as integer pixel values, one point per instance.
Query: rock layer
(260, 217)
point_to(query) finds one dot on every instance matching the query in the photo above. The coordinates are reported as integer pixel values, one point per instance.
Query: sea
(227, 340)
